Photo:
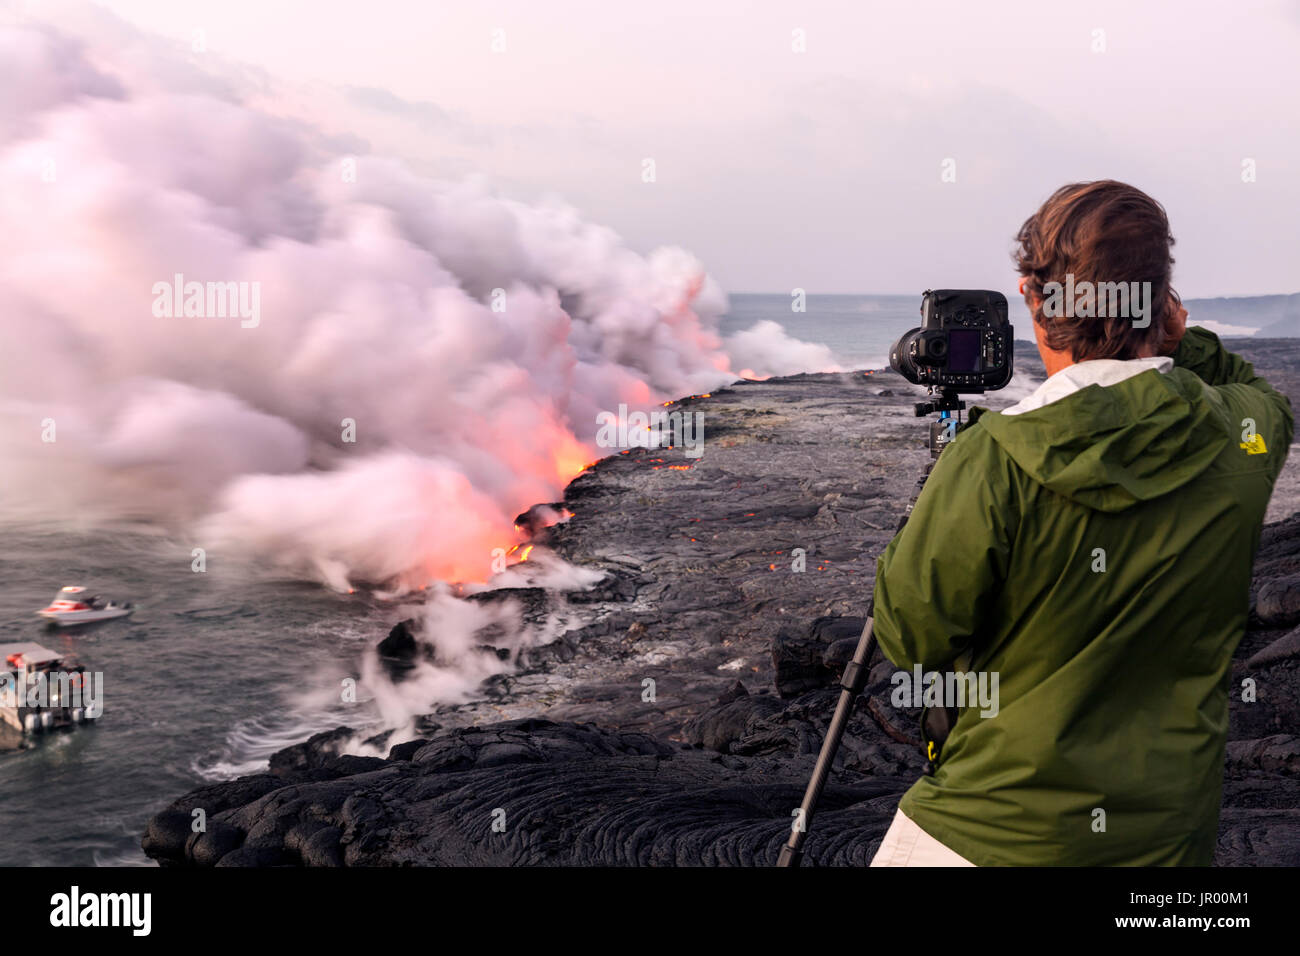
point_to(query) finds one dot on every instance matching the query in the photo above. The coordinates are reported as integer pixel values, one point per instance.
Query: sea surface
(218, 669)
(213, 673)
(859, 329)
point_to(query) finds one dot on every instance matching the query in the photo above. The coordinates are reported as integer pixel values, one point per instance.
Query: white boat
(73, 605)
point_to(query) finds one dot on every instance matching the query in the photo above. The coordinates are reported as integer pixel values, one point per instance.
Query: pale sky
(821, 169)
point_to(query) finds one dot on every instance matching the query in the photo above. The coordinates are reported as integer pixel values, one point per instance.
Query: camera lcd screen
(964, 350)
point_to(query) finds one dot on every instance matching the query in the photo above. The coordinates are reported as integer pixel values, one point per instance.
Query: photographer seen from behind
(1093, 547)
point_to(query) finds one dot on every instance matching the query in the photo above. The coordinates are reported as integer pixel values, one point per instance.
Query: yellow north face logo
(1255, 446)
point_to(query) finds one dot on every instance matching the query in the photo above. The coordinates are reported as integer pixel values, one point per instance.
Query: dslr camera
(964, 343)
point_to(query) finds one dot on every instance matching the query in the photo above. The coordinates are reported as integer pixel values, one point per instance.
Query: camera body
(964, 343)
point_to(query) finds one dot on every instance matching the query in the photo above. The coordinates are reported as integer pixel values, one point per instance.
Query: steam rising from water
(470, 339)
(459, 666)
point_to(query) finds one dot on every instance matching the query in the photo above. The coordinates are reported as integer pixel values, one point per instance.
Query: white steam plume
(470, 340)
(766, 349)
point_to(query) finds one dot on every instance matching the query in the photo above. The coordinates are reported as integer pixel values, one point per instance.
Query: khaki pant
(906, 844)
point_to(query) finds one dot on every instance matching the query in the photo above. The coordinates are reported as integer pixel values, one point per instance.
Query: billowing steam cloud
(424, 360)
(453, 629)
(458, 668)
(764, 349)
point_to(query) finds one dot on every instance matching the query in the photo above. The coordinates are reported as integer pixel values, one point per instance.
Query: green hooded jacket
(1096, 555)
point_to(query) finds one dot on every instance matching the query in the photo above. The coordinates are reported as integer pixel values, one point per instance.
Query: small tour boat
(73, 605)
(42, 690)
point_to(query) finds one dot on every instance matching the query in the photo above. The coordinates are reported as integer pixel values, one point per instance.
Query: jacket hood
(1112, 447)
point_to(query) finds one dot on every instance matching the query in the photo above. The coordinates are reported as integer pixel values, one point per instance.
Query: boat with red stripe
(75, 605)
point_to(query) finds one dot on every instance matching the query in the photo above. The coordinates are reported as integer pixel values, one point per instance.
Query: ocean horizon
(859, 328)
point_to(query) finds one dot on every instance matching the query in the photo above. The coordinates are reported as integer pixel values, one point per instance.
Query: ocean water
(213, 673)
(858, 329)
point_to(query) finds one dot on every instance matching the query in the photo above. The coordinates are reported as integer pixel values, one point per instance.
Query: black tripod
(855, 673)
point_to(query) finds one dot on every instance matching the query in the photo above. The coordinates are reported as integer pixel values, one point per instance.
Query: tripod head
(944, 429)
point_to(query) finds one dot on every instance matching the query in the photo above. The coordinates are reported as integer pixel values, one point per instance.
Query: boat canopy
(69, 598)
(31, 653)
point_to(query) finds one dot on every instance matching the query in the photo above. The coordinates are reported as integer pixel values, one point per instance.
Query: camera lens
(931, 347)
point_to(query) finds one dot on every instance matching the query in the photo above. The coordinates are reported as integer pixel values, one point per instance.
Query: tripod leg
(852, 681)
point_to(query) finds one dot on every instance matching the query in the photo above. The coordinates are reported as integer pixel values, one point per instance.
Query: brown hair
(1103, 231)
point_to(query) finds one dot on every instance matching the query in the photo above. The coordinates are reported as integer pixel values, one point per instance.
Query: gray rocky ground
(570, 760)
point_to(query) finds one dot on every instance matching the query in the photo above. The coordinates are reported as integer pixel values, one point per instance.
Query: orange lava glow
(571, 460)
